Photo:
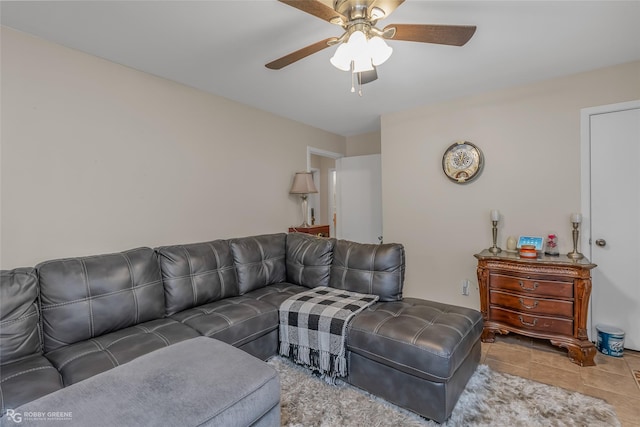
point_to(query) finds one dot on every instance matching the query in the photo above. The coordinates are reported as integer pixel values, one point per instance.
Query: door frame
(314, 199)
(331, 205)
(585, 176)
(320, 152)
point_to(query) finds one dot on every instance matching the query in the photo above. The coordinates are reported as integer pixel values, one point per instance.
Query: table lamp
(303, 185)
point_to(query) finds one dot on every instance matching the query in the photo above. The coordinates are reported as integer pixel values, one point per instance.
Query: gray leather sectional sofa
(68, 320)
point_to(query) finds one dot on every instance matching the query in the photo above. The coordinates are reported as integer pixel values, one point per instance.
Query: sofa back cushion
(19, 321)
(82, 298)
(309, 259)
(259, 261)
(369, 269)
(196, 274)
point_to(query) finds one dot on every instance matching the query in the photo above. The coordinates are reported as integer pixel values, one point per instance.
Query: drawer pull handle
(526, 323)
(535, 286)
(535, 304)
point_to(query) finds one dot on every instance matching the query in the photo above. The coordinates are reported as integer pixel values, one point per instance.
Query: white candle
(576, 217)
(495, 215)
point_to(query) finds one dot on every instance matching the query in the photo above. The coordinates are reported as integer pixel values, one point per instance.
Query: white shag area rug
(490, 399)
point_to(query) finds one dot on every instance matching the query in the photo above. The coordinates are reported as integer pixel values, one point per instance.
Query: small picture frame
(536, 241)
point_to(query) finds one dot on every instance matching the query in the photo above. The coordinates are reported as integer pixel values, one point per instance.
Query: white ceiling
(221, 47)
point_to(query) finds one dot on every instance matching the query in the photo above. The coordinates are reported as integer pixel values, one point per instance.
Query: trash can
(610, 340)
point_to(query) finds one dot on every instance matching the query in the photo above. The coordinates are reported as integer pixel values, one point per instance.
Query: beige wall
(363, 144)
(97, 157)
(530, 137)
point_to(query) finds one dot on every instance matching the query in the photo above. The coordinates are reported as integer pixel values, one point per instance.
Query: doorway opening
(322, 206)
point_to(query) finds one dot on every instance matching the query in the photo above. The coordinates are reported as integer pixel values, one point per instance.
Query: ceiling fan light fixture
(362, 52)
(357, 42)
(379, 50)
(362, 63)
(341, 59)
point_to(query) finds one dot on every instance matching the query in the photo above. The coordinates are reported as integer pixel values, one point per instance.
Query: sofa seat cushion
(27, 379)
(276, 294)
(85, 359)
(235, 321)
(423, 338)
(198, 382)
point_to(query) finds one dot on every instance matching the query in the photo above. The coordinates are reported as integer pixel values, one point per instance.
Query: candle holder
(576, 233)
(495, 249)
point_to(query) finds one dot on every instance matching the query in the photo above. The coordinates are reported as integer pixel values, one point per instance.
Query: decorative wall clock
(462, 162)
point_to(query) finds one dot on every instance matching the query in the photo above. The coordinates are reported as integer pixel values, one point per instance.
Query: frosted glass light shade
(341, 58)
(379, 50)
(362, 53)
(357, 42)
(361, 64)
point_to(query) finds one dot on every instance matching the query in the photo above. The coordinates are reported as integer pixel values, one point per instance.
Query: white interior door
(359, 198)
(615, 221)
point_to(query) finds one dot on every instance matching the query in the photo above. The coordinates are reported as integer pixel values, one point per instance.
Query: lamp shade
(303, 183)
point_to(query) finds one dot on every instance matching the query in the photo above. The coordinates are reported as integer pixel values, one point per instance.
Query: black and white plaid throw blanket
(313, 327)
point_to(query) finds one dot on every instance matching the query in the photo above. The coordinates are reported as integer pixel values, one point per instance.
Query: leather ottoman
(415, 353)
(197, 382)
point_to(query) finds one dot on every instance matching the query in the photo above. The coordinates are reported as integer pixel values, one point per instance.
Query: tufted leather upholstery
(309, 259)
(426, 339)
(415, 353)
(196, 274)
(85, 359)
(86, 297)
(259, 261)
(102, 311)
(27, 379)
(276, 294)
(19, 323)
(369, 269)
(25, 374)
(235, 320)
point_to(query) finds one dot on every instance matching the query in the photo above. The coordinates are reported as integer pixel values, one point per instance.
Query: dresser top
(563, 259)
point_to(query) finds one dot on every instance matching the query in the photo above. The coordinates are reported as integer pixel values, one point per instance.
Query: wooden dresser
(316, 230)
(546, 298)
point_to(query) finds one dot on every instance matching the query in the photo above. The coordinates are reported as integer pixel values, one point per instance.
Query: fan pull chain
(353, 81)
(353, 88)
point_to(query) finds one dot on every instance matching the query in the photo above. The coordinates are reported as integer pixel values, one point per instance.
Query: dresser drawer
(533, 322)
(530, 304)
(546, 288)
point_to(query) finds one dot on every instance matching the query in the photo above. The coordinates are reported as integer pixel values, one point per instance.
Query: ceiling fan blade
(454, 35)
(299, 54)
(387, 6)
(315, 8)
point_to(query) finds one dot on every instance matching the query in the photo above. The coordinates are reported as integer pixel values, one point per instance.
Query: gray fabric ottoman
(415, 353)
(197, 382)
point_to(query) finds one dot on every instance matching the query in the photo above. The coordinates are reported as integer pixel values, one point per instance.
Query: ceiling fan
(361, 46)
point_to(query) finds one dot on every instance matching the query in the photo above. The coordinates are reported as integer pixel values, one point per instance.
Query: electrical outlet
(465, 287)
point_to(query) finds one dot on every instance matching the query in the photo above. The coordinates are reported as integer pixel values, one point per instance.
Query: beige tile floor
(611, 379)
